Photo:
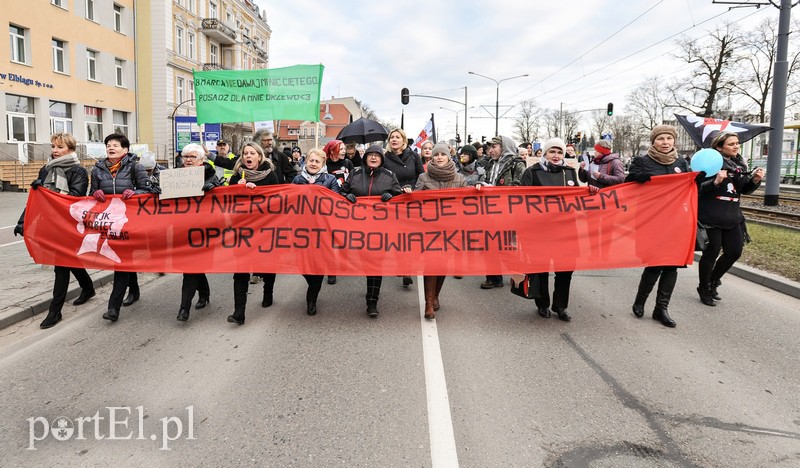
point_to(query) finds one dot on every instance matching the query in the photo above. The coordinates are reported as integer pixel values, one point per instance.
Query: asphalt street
(488, 383)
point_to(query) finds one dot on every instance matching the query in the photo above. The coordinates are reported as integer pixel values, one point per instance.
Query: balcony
(214, 66)
(262, 55)
(218, 31)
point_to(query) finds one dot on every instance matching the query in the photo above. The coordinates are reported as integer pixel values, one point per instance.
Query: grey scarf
(56, 179)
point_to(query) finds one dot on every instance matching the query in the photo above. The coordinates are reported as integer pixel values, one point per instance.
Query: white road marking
(440, 423)
(12, 243)
(8, 227)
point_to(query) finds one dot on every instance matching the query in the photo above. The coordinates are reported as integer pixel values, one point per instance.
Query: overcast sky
(582, 53)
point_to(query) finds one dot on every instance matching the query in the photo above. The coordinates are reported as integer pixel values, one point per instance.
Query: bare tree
(555, 120)
(601, 122)
(527, 121)
(629, 137)
(648, 104)
(713, 60)
(755, 74)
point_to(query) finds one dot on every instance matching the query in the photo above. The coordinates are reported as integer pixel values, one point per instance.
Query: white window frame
(58, 3)
(119, 72)
(178, 40)
(123, 128)
(59, 52)
(64, 123)
(191, 89)
(190, 5)
(118, 18)
(179, 89)
(213, 9)
(190, 44)
(90, 123)
(28, 124)
(91, 65)
(213, 52)
(18, 39)
(89, 4)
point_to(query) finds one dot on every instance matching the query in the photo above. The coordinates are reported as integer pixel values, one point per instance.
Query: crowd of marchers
(392, 168)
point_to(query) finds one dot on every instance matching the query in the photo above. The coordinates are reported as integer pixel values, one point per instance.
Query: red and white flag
(427, 133)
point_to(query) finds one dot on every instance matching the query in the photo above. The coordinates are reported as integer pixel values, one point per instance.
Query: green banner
(289, 93)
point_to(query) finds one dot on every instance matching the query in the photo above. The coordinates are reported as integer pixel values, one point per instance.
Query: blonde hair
(403, 135)
(317, 152)
(65, 139)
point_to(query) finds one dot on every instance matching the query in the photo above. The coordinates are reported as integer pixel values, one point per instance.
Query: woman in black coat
(253, 169)
(372, 179)
(661, 159)
(63, 174)
(118, 173)
(719, 211)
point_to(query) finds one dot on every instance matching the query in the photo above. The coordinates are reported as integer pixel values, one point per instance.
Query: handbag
(701, 240)
(526, 287)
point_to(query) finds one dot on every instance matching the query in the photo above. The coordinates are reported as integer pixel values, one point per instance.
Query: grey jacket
(103, 180)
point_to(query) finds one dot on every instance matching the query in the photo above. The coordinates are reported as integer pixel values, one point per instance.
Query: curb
(10, 318)
(763, 278)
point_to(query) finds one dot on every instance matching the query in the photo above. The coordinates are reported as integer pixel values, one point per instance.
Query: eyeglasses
(191, 157)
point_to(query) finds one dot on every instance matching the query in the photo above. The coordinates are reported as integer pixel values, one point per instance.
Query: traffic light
(404, 96)
(483, 139)
(610, 108)
(469, 138)
(578, 137)
(458, 138)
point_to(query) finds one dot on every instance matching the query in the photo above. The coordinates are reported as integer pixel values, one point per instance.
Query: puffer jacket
(425, 182)
(718, 205)
(77, 180)
(611, 169)
(406, 167)
(329, 181)
(508, 168)
(103, 180)
(555, 176)
(364, 182)
(473, 172)
(641, 165)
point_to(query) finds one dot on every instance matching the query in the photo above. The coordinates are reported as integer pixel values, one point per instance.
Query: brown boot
(429, 284)
(439, 284)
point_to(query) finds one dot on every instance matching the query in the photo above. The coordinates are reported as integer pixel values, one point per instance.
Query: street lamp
(497, 100)
(456, 112)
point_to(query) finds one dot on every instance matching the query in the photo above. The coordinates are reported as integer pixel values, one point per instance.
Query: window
(191, 89)
(119, 66)
(213, 53)
(59, 56)
(60, 117)
(117, 18)
(212, 10)
(228, 16)
(91, 65)
(190, 44)
(190, 5)
(18, 42)
(90, 10)
(20, 119)
(179, 87)
(121, 122)
(178, 40)
(94, 123)
(58, 3)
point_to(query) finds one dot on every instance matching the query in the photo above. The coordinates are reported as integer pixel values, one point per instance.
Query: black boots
(85, 296)
(311, 308)
(111, 314)
(372, 308)
(267, 301)
(663, 294)
(237, 317)
(202, 302)
(51, 320)
(562, 314)
(714, 294)
(407, 281)
(706, 297)
(646, 283)
(183, 314)
(130, 299)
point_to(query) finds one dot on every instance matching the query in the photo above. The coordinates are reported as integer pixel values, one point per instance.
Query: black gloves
(641, 178)
(18, 230)
(208, 186)
(350, 197)
(701, 176)
(386, 197)
(36, 184)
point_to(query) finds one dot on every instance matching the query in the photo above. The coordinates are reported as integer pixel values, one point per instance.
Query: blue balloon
(707, 160)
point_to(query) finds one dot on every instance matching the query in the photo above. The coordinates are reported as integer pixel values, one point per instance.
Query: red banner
(308, 229)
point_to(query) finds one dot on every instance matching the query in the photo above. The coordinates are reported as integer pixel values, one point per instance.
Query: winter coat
(284, 169)
(271, 179)
(646, 165)
(77, 180)
(406, 167)
(329, 181)
(364, 182)
(611, 169)
(130, 170)
(425, 182)
(508, 168)
(473, 173)
(560, 176)
(718, 205)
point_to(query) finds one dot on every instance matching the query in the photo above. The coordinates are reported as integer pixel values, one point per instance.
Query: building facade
(176, 37)
(69, 66)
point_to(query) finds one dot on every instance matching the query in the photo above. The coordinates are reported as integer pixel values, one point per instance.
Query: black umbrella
(363, 131)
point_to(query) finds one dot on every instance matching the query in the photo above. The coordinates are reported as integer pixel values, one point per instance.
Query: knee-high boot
(439, 284)
(663, 294)
(646, 283)
(429, 283)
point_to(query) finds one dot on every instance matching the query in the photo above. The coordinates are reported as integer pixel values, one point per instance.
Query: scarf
(56, 179)
(550, 167)
(252, 175)
(443, 173)
(312, 178)
(665, 159)
(114, 167)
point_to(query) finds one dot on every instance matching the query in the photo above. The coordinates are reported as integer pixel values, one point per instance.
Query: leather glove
(701, 176)
(99, 195)
(18, 230)
(641, 178)
(36, 184)
(386, 197)
(208, 186)
(127, 193)
(350, 197)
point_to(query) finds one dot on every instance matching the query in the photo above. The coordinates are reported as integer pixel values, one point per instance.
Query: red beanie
(603, 147)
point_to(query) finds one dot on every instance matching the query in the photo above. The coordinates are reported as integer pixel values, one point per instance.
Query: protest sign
(181, 182)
